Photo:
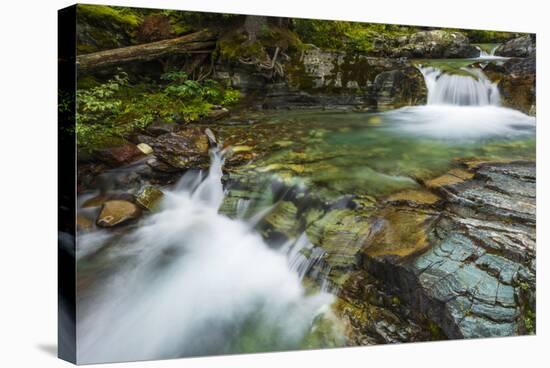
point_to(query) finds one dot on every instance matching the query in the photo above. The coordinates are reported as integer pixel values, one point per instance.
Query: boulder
(401, 87)
(145, 148)
(336, 79)
(523, 46)
(184, 149)
(516, 80)
(159, 127)
(518, 87)
(149, 197)
(119, 155)
(117, 212)
(217, 114)
(431, 44)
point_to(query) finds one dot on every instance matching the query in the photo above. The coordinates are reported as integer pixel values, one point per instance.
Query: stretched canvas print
(240, 183)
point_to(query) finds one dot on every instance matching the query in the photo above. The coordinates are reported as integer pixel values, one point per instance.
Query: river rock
(117, 212)
(186, 148)
(145, 148)
(149, 197)
(159, 127)
(120, 155)
(83, 223)
(217, 114)
(523, 46)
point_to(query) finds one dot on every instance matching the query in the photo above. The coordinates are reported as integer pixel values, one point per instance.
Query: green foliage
(98, 109)
(530, 322)
(350, 36)
(120, 15)
(480, 36)
(109, 112)
(322, 33)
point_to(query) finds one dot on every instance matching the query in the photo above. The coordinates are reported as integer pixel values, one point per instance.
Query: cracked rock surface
(477, 277)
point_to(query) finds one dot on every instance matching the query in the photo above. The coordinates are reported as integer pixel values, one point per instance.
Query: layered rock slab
(477, 279)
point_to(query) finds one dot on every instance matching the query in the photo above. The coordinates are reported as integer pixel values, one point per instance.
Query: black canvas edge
(66, 186)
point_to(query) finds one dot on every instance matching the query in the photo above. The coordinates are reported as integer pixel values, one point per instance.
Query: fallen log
(202, 41)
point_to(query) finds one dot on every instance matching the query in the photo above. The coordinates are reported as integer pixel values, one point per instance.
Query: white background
(28, 182)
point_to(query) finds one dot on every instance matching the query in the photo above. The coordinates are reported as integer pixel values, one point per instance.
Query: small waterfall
(460, 107)
(191, 281)
(474, 89)
(303, 257)
(485, 56)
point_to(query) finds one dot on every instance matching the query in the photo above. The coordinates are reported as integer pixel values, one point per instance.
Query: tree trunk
(203, 41)
(253, 25)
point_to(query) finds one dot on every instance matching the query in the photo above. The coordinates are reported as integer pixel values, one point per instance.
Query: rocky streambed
(290, 196)
(418, 237)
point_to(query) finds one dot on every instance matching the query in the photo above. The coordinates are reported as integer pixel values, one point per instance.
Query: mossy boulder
(119, 155)
(436, 44)
(149, 197)
(102, 27)
(523, 46)
(186, 148)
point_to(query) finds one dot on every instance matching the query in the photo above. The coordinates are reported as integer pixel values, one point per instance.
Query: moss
(87, 81)
(484, 36)
(235, 45)
(530, 322)
(104, 27)
(283, 219)
(347, 36)
(298, 77)
(123, 16)
(357, 68)
(436, 332)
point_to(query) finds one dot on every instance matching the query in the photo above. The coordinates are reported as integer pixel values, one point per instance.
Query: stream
(192, 280)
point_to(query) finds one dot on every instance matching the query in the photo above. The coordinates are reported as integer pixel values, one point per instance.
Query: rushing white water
(190, 281)
(460, 107)
(465, 90)
(460, 123)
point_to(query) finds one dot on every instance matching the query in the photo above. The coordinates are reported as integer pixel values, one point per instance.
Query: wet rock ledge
(475, 275)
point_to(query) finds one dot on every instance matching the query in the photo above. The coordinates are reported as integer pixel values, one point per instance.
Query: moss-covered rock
(101, 27)
(149, 197)
(432, 44)
(187, 148)
(523, 46)
(282, 220)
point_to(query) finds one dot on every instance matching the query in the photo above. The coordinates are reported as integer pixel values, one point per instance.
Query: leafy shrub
(109, 112)
(480, 36)
(350, 36)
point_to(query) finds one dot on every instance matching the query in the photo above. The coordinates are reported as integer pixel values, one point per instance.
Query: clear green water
(373, 153)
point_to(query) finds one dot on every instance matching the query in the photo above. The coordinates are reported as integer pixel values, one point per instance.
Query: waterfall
(474, 89)
(484, 55)
(191, 281)
(488, 55)
(460, 107)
